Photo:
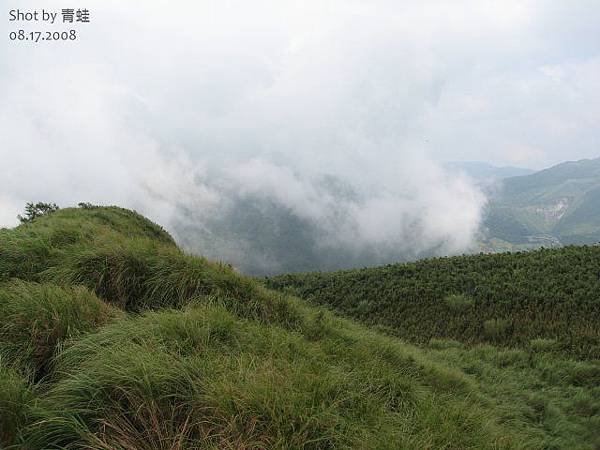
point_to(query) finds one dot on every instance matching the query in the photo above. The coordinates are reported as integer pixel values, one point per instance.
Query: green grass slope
(509, 299)
(113, 338)
(524, 327)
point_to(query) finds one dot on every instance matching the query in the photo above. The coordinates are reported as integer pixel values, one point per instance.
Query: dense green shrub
(543, 345)
(458, 302)
(35, 210)
(496, 329)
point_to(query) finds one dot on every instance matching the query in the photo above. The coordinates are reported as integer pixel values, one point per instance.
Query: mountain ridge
(553, 206)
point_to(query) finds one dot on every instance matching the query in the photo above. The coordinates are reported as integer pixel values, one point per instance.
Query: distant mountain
(559, 205)
(482, 171)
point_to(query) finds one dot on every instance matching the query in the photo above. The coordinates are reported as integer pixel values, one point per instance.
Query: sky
(171, 106)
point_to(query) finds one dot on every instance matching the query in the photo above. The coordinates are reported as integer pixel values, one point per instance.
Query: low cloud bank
(258, 131)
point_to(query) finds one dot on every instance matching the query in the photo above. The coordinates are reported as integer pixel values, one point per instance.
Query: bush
(542, 345)
(443, 344)
(584, 405)
(35, 210)
(87, 205)
(585, 375)
(458, 302)
(496, 328)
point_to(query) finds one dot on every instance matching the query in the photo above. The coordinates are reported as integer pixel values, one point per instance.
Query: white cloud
(164, 105)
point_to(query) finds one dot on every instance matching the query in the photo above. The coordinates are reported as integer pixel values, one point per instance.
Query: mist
(283, 136)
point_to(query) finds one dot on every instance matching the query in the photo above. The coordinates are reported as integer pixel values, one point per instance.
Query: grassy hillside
(112, 338)
(525, 327)
(508, 299)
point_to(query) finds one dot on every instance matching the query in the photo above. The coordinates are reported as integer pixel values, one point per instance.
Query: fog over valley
(282, 136)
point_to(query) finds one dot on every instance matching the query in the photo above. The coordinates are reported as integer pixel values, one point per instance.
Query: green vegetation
(501, 299)
(35, 210)
(523, 327)
(36, 318)
(559, 205)
(557, 399)
(113, 338)
(496, 329)
(15, 401)
(459, 302)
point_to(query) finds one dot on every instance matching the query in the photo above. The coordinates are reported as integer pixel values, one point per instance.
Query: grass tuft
(36, 318)
(15, 398)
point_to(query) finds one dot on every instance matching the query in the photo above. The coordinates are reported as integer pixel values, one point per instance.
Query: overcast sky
(160, 104)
